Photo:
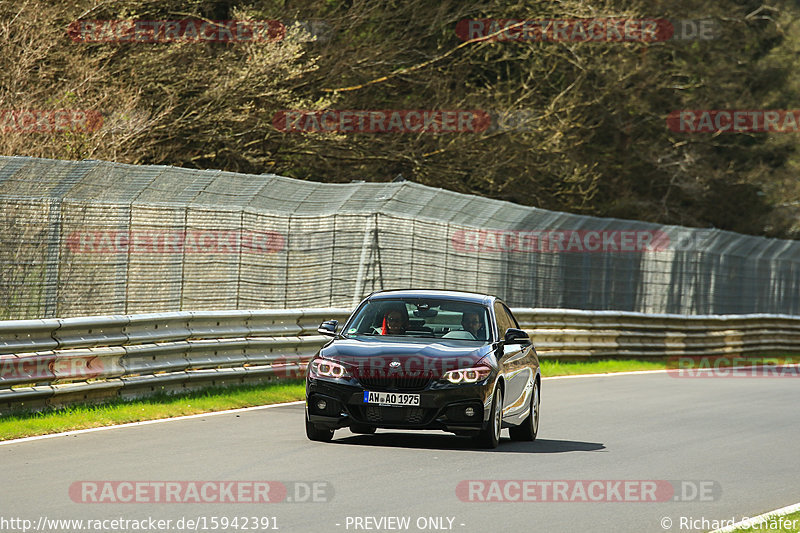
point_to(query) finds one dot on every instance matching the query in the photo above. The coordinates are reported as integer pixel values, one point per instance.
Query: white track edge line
(760, 519)
(609, 374)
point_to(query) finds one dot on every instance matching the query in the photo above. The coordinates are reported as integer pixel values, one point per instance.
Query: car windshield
(422, 318)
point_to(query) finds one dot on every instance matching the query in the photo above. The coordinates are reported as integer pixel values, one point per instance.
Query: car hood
(375, 356)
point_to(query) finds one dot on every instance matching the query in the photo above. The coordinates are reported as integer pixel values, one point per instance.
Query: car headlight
(467, 375)
(328, 369)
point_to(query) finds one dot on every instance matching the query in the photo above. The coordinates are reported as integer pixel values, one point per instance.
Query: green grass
(15, 426)
(19, 425)
(569, 368)
(790, 523)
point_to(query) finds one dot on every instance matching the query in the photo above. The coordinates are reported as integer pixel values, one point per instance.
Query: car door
(513, 364)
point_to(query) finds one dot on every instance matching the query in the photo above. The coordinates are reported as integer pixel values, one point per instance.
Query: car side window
(504, 319)
(511, 316)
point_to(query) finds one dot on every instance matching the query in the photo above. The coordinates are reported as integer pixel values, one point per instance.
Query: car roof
(484, 299)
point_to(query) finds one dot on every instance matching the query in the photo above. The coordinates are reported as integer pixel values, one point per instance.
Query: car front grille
(395, 382)
(408, 415)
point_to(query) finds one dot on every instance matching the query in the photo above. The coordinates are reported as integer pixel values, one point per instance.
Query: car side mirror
(517, 336)
(328, 328)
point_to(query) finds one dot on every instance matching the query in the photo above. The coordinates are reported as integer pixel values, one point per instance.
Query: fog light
(469, 411)
(321, 405)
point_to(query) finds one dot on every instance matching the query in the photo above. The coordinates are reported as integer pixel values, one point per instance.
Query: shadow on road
(391, 439)
(555, 446)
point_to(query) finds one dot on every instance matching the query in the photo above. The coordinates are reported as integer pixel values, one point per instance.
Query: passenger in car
(472, 322)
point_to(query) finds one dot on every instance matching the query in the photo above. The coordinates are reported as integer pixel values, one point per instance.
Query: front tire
(529, 428)
(490, 437)
(316, 433)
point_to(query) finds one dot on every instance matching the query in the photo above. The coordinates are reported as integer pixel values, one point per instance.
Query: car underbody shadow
(445, 441)
(553, 446)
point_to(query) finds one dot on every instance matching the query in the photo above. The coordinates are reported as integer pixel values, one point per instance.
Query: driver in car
(395, 322)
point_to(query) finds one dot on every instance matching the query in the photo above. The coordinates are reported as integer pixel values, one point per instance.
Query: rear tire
(530, 426)
(490, 437)
(316, 433)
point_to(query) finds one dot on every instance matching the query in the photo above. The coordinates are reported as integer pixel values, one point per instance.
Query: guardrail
(52, 362)
(575, 333)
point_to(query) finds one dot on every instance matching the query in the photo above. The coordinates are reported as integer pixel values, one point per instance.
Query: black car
(423, 359)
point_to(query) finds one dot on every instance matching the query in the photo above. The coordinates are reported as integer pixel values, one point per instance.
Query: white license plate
(391, 398)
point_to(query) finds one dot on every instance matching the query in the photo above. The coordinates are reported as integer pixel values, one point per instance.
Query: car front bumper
(441, 407)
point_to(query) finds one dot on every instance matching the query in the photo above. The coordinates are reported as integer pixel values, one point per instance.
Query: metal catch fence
(82, 238)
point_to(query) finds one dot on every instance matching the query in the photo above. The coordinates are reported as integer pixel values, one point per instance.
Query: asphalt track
(743, 434)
